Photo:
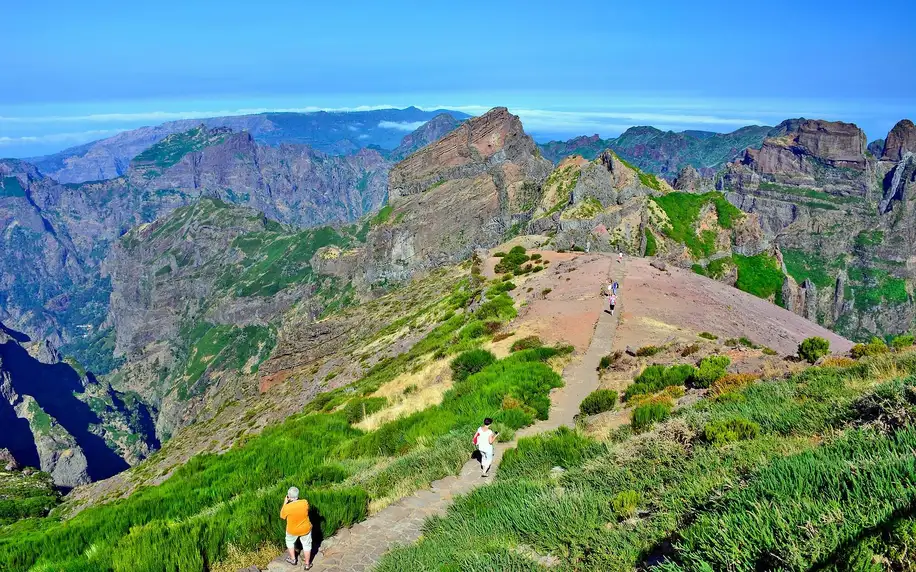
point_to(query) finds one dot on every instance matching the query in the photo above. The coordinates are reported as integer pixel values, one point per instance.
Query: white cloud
(162, 116)
(400, 125)
(78, 136)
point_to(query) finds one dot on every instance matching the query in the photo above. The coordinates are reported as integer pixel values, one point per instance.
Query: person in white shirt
(484, 439)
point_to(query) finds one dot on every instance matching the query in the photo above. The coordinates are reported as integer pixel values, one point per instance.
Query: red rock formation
(900, 140)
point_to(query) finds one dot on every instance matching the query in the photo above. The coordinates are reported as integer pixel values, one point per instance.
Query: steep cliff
(467, 190)
(65, 421)
(842, 219)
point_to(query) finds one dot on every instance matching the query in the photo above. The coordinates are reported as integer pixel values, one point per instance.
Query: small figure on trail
(612, 302)
(484, 439)
(620, 257)
(614, 287)
(295, 512)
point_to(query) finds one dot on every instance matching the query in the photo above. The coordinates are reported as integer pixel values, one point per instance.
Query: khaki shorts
(305, 539)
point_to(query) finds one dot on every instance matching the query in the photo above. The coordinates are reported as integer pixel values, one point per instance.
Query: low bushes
(875, 347)
(731, 382)
(470, 362)
(500, 307)
(729, 430)
(709, 370)
(526, 343)
(648, 351)
(511, 261)
(708, 336)
(609, 360)
(657, 377)
(813, 349)
(902, 342)
(648, 414)
(624, 503)
(598, 401)
(690, 350)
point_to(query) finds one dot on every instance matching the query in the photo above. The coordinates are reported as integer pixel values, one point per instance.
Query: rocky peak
(688, 179)
(474, 147)
(832, 140)
(900, 140)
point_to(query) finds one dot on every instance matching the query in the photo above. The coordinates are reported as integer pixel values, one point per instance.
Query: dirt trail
(360, 547)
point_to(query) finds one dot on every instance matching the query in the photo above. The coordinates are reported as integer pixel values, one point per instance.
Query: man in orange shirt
(298, 527)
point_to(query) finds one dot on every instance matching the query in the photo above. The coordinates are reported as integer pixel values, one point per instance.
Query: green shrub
(500, 307)
(708, 336)
(635, 389)
(648, 414)
(875, 347)
(709, 370)
(473, 330)
(648, 351)
(729, 430)
(358, 409)
(769, 351)
(512, 261)
(813, 349)
(902, 341)
(748, 343)
(690, 350)
(653, 376)
(657, 377)
(470, 362)
(546, 291)
(526, 343)
(598, 401)
(499, 254)
(609, 360)
(535, 256)
(624, 503)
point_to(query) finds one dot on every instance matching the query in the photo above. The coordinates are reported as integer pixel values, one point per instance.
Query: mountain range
(176, 278)
(334, 133)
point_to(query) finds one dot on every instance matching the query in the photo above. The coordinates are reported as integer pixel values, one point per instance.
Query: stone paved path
(358, 548)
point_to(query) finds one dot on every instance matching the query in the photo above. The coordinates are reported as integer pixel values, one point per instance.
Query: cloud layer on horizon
(25, 135)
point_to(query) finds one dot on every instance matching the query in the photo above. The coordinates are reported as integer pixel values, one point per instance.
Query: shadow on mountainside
(53, 386)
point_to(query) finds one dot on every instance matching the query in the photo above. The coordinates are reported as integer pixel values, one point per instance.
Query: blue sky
(77, 71)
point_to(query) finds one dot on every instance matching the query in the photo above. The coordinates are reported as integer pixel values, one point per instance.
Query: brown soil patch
(674, 306)
(567, 314)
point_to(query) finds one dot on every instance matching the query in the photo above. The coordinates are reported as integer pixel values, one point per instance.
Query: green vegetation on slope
(803, 265)
(214, 501)
(874, 287)
(761, 276)
(789, 474)
(223, 347)
(11, 187)
(25, 494)
(170, 150)
(683, 210)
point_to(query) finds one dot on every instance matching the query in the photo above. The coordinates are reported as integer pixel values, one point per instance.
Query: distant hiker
(612, 302)
(295, 512)
(620, 257)
(484, 439)
(614, 287)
